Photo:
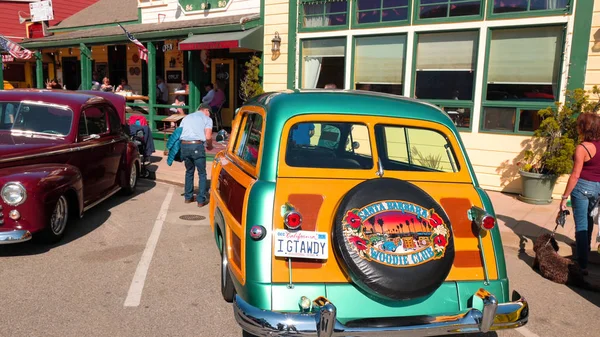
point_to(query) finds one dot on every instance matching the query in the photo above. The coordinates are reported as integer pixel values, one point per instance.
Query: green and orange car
(352, 213)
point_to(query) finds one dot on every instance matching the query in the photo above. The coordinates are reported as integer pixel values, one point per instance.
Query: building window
(461, 117)
(379, 63)
(524, 64)
(512, 6)
(377, 11)
(323, 62)
(450, 77)
(512, 120)
(324, 13)
(429, 9)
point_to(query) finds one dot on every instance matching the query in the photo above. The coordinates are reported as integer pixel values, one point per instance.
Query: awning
(250, 39)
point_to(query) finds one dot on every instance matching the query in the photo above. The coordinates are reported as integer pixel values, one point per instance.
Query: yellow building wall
(276, 20)
(593, 65)
(494, 159)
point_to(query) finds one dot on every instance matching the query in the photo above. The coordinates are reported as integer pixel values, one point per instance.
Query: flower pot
(536, 188)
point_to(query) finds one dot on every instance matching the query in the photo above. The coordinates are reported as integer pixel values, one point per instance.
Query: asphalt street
(133, 267)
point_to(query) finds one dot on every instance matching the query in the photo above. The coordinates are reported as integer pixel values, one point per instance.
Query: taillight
(482, 218)
(292, 219)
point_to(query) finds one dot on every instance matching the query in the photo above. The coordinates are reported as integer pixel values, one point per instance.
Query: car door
(96, 144)
(115, 158)
(233, 175)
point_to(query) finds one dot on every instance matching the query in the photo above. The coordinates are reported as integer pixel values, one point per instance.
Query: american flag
(143, 51)
(15, 49)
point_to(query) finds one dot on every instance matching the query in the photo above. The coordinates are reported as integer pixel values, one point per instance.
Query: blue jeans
(194, 157)
(583, 198)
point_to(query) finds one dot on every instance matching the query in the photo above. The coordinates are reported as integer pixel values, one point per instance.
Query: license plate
(301, 244)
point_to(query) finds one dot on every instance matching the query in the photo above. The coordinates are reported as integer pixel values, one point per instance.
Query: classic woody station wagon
(349, 213)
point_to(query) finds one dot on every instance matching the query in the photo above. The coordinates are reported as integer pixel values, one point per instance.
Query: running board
(115, 190)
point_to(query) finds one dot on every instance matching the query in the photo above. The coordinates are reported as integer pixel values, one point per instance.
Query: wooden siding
(9, 17)
(592, 76)
(169, 8)
(276, 20)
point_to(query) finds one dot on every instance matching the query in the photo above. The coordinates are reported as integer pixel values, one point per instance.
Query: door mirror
(355, 145)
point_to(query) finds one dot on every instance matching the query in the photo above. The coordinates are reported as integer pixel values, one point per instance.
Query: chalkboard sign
(173, 76)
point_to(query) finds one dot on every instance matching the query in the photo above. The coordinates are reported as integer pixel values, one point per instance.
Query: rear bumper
(322, 321)
(14, 236)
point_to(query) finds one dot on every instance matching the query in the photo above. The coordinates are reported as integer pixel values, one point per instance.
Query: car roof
(60, 97)
(289, 103)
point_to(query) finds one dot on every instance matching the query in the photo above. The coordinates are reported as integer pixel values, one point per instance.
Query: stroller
(138, 137)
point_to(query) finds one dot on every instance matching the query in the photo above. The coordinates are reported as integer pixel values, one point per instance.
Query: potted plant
(556, 138)
(250, 85)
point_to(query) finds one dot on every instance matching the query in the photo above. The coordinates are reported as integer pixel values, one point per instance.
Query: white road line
(137, 284)
(526, 332)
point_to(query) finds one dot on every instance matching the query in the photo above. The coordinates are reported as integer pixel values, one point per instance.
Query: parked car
(350, 213)
(61, 153)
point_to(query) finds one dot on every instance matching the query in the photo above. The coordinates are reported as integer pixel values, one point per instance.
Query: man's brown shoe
(203, 204)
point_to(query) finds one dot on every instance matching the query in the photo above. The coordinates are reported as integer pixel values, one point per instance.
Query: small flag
(143, 51)
(14, 49)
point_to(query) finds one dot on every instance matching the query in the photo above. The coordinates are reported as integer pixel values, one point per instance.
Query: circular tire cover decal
(396, 233)
(393, 239)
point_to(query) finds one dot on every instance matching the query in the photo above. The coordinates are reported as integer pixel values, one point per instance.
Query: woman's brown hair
(588, 125)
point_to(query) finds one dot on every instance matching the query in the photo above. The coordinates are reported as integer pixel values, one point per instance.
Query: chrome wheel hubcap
(132, 176)
(60, 216)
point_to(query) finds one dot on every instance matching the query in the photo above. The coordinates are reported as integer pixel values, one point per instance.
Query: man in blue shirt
(302, 132)
(196, 131)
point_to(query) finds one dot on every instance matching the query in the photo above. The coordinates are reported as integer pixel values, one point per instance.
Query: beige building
(509, 58)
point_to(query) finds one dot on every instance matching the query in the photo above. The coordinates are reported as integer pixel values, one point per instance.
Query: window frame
(448, 19)
(232, 150)
(449, 102)
(407, 22)
(524, 105)
(301, 56)
(302, 29)
(526, 14)
(353, 56)
(82, 114)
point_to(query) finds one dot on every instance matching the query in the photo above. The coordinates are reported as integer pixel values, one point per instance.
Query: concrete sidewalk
(519, 223)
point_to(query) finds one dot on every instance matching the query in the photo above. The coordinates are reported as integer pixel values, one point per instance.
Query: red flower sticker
(440, 240)
(435, 220)
(353, 220)
(360, 243)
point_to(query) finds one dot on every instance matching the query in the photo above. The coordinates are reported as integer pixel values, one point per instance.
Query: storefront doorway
(71, 73)
(223, 73)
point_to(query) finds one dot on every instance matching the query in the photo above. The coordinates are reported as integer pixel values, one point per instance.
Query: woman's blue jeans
(583, 198)
(194, 157)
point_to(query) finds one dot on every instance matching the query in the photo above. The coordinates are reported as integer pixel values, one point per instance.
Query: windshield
(39, 118)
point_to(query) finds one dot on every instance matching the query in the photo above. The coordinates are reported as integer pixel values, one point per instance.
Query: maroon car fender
(131, 157)
(44, 184)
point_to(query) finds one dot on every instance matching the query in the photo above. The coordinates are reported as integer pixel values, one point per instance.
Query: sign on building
(41, 11)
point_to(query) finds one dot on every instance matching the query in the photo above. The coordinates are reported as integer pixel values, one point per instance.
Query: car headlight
(13, 193)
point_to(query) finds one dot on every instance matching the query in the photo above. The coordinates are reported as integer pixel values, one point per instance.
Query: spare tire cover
(393, 239)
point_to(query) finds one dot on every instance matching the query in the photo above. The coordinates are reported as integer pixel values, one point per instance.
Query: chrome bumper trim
(14, 236)
(323, 323)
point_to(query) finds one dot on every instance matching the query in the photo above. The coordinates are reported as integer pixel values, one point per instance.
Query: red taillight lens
(488, 222)
(293, 220)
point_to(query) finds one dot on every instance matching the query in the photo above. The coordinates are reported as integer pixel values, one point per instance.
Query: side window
(248, 141)
(329, 145)
(114, 121)
(92, 121)
(414, 149)
(7, 114)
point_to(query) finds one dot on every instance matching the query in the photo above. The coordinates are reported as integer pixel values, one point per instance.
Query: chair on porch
(216, 116)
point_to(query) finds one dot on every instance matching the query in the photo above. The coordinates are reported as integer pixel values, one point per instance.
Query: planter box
(537, 188)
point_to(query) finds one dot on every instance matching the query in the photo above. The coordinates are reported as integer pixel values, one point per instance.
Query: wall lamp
(275, 49)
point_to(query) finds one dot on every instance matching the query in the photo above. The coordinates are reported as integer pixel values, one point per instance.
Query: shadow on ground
(77, 228)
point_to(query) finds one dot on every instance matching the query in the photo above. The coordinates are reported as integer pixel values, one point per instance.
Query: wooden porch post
(86, 67)
(151, 83)
(194, 65)
(39, 70)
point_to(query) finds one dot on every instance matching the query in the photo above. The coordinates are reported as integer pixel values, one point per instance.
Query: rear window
(414, 149)
(329, 145)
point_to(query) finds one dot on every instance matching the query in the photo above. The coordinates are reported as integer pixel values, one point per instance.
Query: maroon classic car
(61, 153)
